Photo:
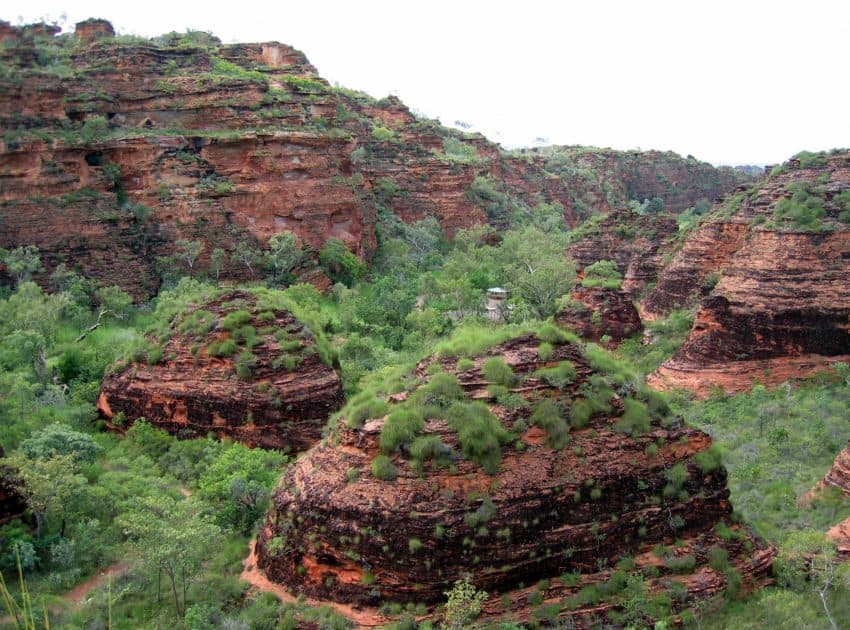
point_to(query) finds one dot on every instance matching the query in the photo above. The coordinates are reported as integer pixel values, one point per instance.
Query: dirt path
(77, 594)
(362, 617)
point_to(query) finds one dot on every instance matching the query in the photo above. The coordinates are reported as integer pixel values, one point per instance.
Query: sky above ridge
(731, 82)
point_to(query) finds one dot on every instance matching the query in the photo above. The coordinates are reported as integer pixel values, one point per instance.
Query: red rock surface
(336, 532)
(637, 243)
(228, 143)
(191, 393)
(595, 312)
(781, 304)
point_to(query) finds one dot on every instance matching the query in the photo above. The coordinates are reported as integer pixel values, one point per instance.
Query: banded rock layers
(239, 365)
(772, 265)
(584, 473)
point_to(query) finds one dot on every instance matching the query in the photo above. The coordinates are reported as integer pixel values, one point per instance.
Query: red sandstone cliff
(237, 366)
(564, 498)
(136, 144)
(771, 265)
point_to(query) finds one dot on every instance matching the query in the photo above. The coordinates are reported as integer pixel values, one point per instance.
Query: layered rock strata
(236, 367)
(638, 244)
(770, 266)
(584, 473)
(595, 313)
(139, 144)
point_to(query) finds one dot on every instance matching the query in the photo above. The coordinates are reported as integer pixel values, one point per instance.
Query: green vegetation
(603, 273)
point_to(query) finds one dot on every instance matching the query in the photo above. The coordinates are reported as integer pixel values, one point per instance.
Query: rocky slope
(596, 312)
(838, 476)
(771, 265)
(140, 143)
(240, 365)
(515, 469)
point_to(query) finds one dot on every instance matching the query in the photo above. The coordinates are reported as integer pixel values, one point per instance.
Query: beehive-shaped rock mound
(240, 365)
(525, 462)
(770, 267)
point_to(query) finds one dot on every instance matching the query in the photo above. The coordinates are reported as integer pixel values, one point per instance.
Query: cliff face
(580, 478)
(237, 366)
(772, 275)
(595, 313)
(140, 143)
(637, 243)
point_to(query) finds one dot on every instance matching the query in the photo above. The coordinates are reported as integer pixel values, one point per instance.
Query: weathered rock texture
(271, 389)
(775, 298)
(595, 312)
(139, 144)
(337, 532)
(637, 243)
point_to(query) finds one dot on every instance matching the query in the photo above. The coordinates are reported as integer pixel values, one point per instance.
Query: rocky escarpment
(771, 265)
(141, 143)
(240, 366)
(523, 464)
(638, 244)
(596, 313)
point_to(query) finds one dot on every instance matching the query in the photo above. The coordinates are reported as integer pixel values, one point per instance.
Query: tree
(246, 254)
(171, 538)
(537, 268)
(58, 439)
(189, 251)
(463, 606)
(22, 262)
(49, 485)
(114, 301)
(238, 483)
(284, 255)
(217, 260)
(809, 560)
(341, 265)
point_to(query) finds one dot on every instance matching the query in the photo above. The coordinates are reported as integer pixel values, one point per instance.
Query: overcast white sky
(727, 81)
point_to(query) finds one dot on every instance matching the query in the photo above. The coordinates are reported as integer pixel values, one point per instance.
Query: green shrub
(441, 391)
(383, 134)
(548, 415)
(718, 558)
(603, 273)
(197, 322)
(287, 362)
(558, 376)
(155, 354)
(479, 432)
(709, 459)
(465, 364)
(235, 319)
(497, 371)
(430, 446)
(550, 333)
(245, 362)
(545, 351)
(604, 362)
(580, 413)
(364, 407)
(383, 468)
(400, 429)
(414, 544)
(681, 564)
(223, 348)
(635, 419)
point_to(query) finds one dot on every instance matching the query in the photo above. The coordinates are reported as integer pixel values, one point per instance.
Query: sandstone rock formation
(240, 366)
(141, 144)
(638, 244)
(596, 312)
(771, 264)
(544, 469)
